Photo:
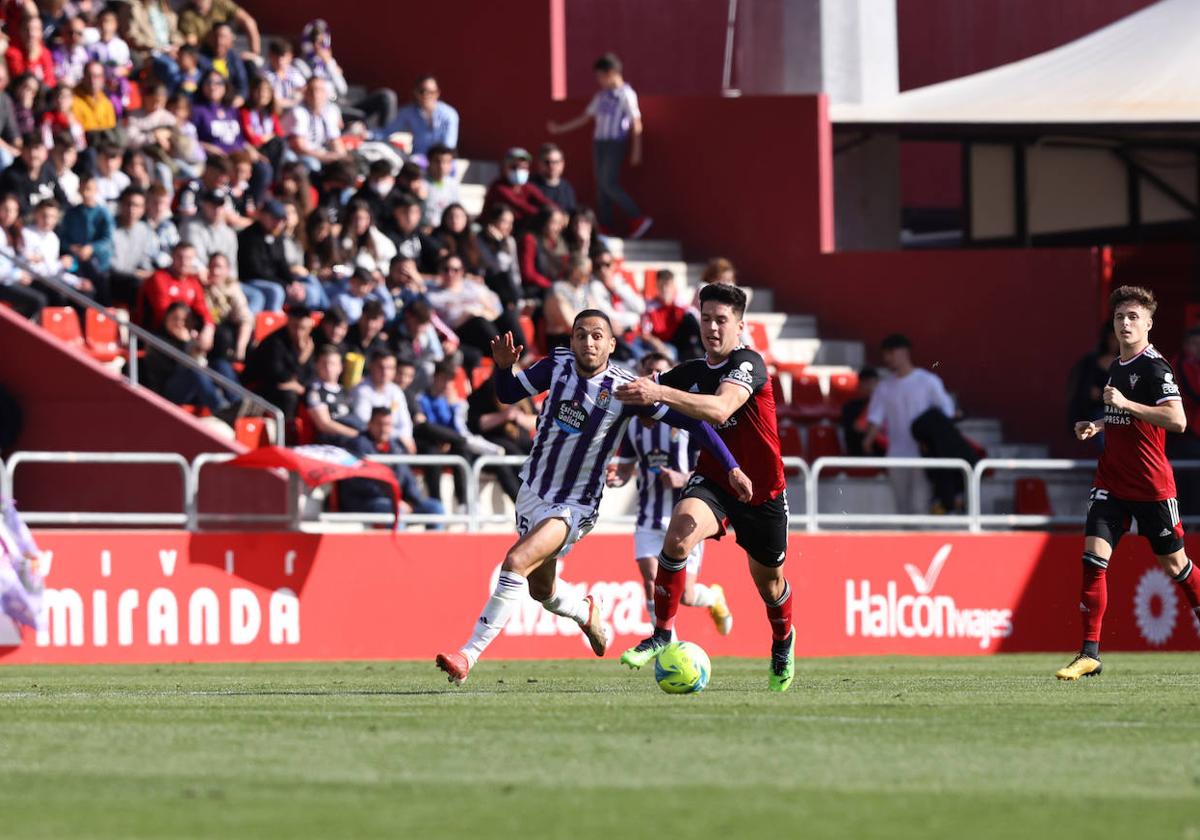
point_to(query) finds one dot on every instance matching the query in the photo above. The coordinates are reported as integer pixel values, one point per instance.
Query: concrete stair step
(471, 196)
(481, 172)
(645, 250)
(815, 351)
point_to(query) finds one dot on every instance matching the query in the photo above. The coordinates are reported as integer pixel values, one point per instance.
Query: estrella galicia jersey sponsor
(1134, 463)
(751, 433)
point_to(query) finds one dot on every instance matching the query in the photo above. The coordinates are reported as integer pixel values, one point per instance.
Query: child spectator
(60, 116)
(260, 122)
(153, 117)
(351, 294)
(190, 74)
(314, 127)
(162, 224)
(113, 54)
(549, 178)
(328, 405)
(443, 187)
(110, 180)
(63, 157)
(618, 132)
(86, 233)
(41, 247)
(185, 149)
(285, 77)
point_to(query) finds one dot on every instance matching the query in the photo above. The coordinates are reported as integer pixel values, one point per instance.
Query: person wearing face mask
(381, 180)
(513, 189)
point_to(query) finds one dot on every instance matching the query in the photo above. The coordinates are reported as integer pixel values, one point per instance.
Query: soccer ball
(682, 668)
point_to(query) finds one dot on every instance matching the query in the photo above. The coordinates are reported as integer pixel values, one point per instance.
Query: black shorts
(762, 530)
(1109, 518)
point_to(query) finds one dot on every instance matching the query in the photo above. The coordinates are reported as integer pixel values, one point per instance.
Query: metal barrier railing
(815, 518)
(140, 335)
(456, 462)
(182, 518)
(807, 515)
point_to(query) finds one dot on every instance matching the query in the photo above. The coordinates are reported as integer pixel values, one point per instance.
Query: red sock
(780, 615)
(669, 583)
(1190, 583)
(1094, 595)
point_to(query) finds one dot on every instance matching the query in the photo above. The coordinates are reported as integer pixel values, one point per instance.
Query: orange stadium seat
(266, 323)
(530, 331)
(757, 331)
(251, 432)
(63, 324)
(462, 386)
(650, 283)
(482, 372)
(103, 335)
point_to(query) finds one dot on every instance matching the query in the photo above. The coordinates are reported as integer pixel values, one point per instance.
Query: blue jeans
(268, 294)
(607, 158)
(189, 387)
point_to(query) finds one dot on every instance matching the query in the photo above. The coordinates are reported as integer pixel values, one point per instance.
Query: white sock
(702, 596)
(510, 586)
(568, 605)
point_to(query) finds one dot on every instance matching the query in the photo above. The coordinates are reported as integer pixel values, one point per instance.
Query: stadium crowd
(180, 165)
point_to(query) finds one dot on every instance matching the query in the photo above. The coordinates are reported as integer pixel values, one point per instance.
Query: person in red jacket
(27, 54)
(513, 189)
(178, 284)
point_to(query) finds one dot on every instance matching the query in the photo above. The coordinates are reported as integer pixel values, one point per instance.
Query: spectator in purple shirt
(219, 130)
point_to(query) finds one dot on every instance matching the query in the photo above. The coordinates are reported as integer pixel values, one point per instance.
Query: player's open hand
(740, 482)
(1114, 397)
(641, 391)
(503, 351)
(1085, 429)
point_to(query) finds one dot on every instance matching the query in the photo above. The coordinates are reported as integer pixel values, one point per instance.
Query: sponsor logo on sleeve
(743, 373)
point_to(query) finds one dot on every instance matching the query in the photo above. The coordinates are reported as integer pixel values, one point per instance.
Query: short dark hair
(380, 355)
(328, 350)
(731, 296)
(379, 411)
(548, 149)
(131, 191)
(867, 372)
(372, 308)
(607, 63)
(1134, 294)
(664, 274)
(593, 313)
(896, 341)
(446, 367)
(438, 149)
(653, 358)
(335, 316)
(278, 46)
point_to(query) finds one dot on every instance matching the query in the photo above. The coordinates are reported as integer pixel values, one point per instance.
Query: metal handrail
(290, 518)
(95, 517)
(138, 333)
(815, 518)
(457, 462)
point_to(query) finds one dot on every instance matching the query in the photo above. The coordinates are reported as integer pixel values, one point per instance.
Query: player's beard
(585, 371)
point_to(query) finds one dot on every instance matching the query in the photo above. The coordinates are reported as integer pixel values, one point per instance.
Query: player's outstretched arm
(711, 408)
(515, 385)
(706, 436)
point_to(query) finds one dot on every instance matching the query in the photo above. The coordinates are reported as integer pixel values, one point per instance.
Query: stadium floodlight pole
(137, 333)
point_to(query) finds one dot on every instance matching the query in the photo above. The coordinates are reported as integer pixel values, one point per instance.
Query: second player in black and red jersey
(730, 389)
(1134, 480)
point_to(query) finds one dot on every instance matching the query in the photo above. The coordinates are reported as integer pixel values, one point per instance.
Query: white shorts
(532, 509)
(648, 542)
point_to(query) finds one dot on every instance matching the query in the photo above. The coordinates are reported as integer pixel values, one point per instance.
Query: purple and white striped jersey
(654, 449)
(579, 428)
(614, 112)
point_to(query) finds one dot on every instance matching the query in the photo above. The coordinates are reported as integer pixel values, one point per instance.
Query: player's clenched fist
(503, 351)
(1085, 429)
(1114, 397)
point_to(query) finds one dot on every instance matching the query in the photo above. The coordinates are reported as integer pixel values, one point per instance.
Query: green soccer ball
(682, 668)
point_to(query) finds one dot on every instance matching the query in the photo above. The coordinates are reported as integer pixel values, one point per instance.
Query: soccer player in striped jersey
(579, 429)
(664, 458)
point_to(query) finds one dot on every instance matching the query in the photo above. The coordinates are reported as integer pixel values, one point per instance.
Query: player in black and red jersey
(1133, 480)
(731, 390)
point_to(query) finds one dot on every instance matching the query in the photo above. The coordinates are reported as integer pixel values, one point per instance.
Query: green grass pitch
(895, 747)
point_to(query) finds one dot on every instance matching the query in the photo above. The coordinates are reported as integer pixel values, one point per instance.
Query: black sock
(662, 635)
(1091, 649)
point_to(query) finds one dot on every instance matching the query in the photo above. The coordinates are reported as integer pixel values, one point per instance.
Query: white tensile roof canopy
(1142, 70)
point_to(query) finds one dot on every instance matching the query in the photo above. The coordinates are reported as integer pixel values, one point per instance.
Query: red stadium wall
(1002, 328)
(178, 597)
(71, 403)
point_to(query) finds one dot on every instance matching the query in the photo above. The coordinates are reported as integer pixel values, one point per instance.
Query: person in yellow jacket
(92, 107)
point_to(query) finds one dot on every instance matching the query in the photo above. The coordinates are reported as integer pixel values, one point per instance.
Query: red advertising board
(171, 596)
